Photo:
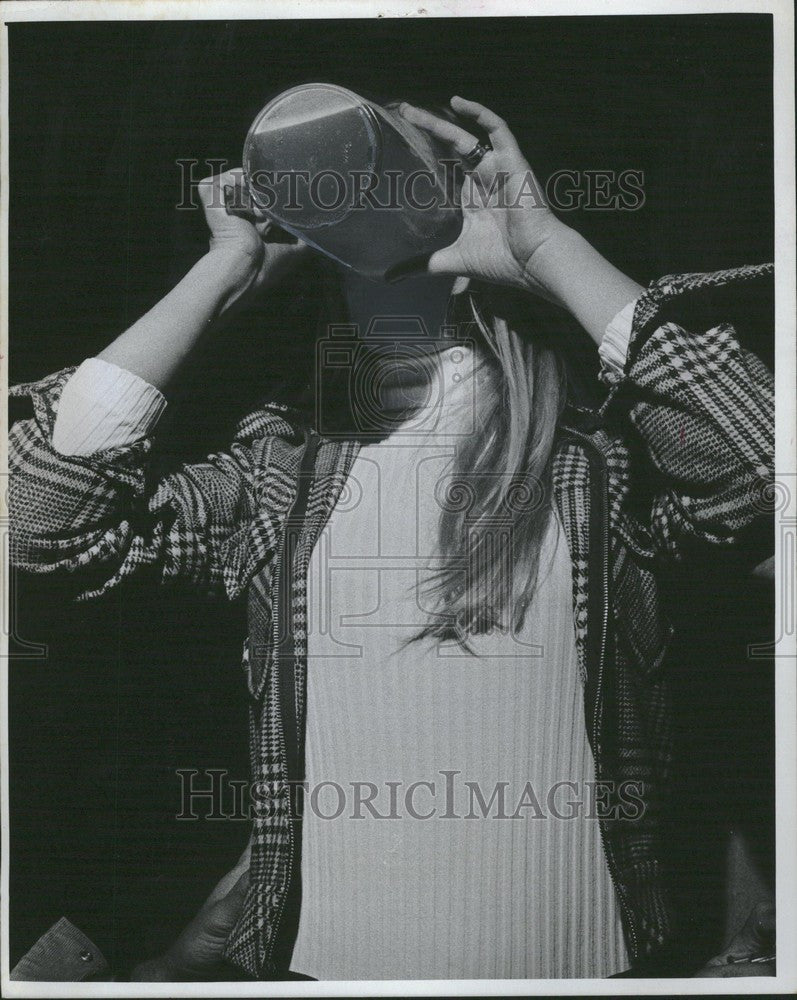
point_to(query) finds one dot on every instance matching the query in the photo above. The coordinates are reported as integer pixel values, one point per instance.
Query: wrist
(233, 271)
(234, 266)
(571, 273)
(548, 266)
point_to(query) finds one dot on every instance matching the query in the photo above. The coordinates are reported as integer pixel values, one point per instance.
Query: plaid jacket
(677, 460)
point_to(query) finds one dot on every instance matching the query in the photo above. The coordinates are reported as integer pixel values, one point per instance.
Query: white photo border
(786, 466)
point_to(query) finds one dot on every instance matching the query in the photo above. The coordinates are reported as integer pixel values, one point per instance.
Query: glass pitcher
(352, 179)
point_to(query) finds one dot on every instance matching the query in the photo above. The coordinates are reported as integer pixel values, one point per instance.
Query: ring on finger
(474, 157)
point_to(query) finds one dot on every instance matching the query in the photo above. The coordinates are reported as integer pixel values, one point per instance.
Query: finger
(756, 939)
(462, 141)
(758, 930)
(238, 892)
(736, 970)
(225, 911)
(447, 261)
(232, 176)
(497, 129)
(238, 201)
(211, 190)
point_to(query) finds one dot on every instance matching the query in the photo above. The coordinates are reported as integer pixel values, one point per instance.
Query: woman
(455, 618)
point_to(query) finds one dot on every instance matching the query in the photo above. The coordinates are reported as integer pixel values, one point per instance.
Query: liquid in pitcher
(353, 180)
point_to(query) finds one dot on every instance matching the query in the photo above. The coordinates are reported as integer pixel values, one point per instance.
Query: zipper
(284, 674)
(283, 752)
(284, 586)
(596, 714)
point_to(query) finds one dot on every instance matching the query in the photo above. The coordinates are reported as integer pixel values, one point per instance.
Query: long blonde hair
(496, 506)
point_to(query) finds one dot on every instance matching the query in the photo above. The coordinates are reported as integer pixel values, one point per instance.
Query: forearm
(579, 279)
(156, 346)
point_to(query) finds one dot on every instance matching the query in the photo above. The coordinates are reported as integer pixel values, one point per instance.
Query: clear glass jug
(352, 179)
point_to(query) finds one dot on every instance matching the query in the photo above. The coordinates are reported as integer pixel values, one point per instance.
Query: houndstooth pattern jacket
(677, 462)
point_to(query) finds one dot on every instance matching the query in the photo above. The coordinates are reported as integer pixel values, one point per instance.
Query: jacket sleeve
(701, 410)
(97, 519)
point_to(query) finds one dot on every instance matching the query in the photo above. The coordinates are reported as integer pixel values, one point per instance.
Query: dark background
(135, 686)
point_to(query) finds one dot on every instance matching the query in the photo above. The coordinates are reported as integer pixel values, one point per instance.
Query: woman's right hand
(245, 236)
(242, 261)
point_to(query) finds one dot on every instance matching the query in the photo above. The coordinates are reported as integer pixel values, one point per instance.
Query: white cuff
(63, 955)
(613, 349)
(104, 406)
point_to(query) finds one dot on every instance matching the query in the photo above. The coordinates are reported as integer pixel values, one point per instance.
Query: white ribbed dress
(425, 898)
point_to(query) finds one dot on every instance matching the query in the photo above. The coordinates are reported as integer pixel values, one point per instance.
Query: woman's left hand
(505, 220)
(197, 954)
(752, 951)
